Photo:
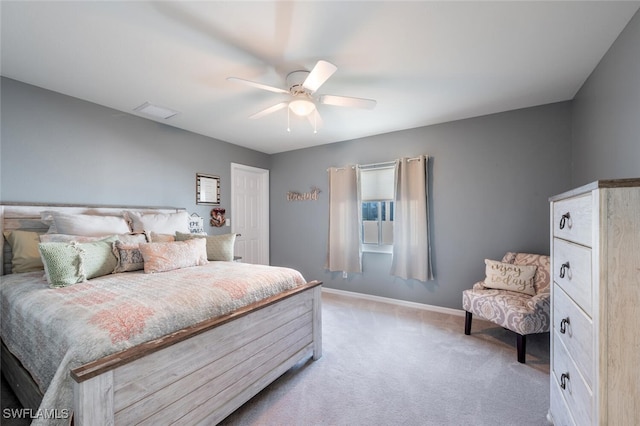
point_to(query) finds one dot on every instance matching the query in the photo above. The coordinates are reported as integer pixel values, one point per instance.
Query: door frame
(264, 201)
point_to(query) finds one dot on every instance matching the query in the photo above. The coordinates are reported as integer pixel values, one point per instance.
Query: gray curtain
(343, 251)
(411, 245)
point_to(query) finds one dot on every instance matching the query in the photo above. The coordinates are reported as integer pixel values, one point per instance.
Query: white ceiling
(424, 62)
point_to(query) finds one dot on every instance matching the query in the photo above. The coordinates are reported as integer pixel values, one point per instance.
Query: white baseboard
(423, 306)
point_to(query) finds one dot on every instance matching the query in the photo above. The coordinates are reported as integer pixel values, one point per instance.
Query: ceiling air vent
(156, 111)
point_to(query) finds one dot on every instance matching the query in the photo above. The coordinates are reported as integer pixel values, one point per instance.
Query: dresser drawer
(572, 219)
(572, 272)
(576, 393)
(560, 415)
(575, 330)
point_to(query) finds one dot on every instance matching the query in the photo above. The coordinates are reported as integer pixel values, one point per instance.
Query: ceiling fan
(302, 86)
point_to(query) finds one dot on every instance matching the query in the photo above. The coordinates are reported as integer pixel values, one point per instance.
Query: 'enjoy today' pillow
(507, 276)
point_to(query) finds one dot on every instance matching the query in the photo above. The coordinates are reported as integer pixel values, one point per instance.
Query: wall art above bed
(207, 189)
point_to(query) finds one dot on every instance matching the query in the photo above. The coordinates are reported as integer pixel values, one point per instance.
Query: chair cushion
(517, 312)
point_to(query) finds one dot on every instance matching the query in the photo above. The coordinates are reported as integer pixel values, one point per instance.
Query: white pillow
(160, 223)
(89, 225)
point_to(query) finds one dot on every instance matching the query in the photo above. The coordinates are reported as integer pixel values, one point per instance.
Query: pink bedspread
(54, 330)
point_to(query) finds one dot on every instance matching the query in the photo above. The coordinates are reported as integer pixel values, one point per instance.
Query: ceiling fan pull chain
(288, 120)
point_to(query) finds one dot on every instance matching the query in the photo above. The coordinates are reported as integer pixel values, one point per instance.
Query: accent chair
(521, 312)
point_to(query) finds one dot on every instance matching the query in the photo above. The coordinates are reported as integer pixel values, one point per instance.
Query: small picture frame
(207, 189)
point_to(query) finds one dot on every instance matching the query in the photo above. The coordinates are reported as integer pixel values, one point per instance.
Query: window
(377, 193)
(365, 214)
(377, 226)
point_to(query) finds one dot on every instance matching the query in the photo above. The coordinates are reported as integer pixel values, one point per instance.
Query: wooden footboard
(205, 372)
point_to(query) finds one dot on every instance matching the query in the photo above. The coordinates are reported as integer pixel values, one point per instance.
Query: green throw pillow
(98, 258)
(219, 247)
(70, 263)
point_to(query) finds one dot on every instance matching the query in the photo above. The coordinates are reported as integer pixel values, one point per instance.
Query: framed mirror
(207, 189)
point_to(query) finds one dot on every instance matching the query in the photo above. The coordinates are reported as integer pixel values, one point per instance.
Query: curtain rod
(340, 168)
(383, 164)
(389, 163)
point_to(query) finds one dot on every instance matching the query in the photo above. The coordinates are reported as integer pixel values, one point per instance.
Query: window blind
(377, 183)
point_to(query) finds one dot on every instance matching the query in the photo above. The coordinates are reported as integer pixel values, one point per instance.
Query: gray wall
(491, 176)
(606, 114)
(490, 182)
(60, 149)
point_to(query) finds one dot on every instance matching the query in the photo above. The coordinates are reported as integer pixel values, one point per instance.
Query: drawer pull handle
(563, 380)
(563, 219)
(563, 325)
(563, 269)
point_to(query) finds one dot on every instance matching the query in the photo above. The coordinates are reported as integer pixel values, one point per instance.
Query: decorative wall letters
(304, 196)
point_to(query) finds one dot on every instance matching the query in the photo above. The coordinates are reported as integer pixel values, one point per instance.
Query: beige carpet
(388, 365)
(384, 364)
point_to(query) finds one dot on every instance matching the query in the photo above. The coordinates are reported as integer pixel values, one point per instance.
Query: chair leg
(521, 344)
(467, 322)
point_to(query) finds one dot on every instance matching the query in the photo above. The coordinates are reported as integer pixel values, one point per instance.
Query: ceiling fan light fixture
(302, 107)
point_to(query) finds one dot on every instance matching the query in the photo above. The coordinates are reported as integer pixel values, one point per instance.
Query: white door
(250, 212)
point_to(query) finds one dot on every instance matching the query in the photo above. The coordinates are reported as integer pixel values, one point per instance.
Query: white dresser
(595, 314)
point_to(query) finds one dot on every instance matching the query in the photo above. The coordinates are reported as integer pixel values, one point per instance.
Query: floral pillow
(128, 256)
(162, 257)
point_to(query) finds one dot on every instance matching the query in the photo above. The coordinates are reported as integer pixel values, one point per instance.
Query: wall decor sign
(196, 224)
(312, 195)
(207, 189)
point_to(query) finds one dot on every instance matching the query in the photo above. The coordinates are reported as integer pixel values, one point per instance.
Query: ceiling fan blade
(269, 110)
(258, 85)
(346, 101)
(318, 75)
(315, 120)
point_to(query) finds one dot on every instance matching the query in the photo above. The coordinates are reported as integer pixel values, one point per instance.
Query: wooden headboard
(27, 217)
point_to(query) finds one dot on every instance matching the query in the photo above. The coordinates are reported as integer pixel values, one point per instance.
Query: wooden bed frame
(198, 374)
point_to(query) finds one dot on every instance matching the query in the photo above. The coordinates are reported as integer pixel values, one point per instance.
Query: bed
(193, 363)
